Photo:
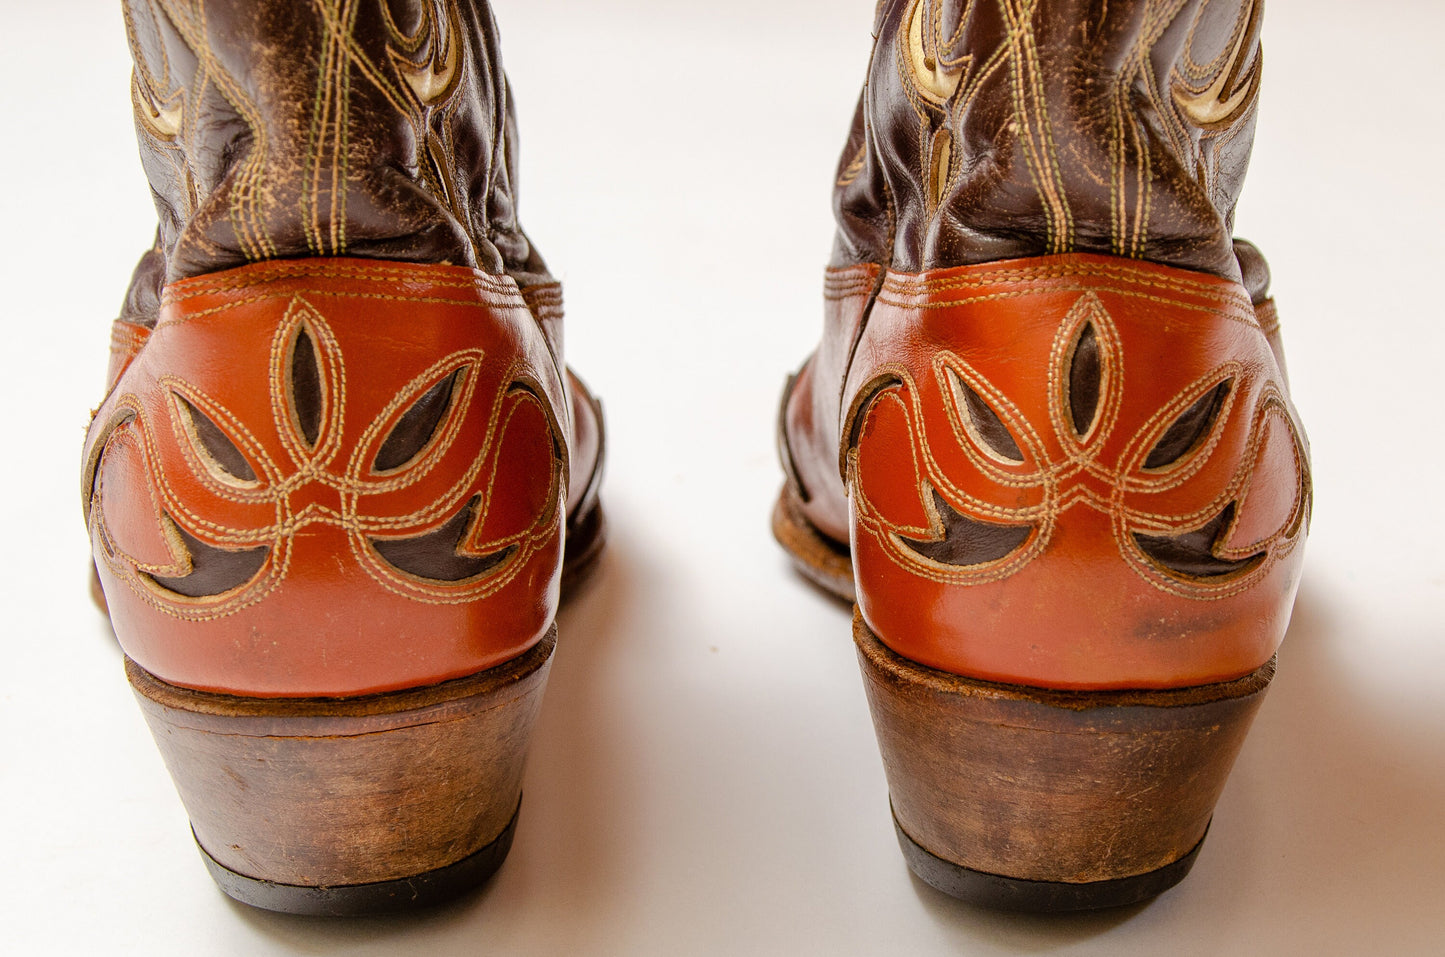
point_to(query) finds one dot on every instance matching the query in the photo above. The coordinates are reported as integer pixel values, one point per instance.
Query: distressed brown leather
(1070, 158)
(339, 450)
(1008, 129)
(377, 128)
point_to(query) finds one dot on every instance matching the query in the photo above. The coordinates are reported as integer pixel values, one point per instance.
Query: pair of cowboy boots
(342, 476)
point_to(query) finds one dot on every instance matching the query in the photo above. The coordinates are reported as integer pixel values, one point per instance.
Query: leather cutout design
(1070, 471)
(307, 395)
(212, 448)
(1171, 535)
(162, 122)
(433, 75)
(212, 571)
(961, 540)
(935, 65)
(357, 466)
(934, 62)
(1196, 553)
(1086, 377)
(440, 555)
(312, 484)
(1188, 430)
(983, 424)
(415, 429)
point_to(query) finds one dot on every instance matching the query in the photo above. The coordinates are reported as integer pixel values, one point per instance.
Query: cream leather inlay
(164, 122)
(1226, 98)
(937, 78)
(432, 79)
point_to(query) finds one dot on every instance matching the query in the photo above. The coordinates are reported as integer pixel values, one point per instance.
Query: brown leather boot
(341, 472)
(1046, 443)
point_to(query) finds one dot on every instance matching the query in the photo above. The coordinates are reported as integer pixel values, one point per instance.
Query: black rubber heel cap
(359, 900)
(1011, 893)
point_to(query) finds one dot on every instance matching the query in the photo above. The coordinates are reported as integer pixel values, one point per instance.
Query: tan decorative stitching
(359, 490)
(1078, 477)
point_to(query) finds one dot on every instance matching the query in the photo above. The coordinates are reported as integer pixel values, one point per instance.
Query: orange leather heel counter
(331, 477)
(1074, 472)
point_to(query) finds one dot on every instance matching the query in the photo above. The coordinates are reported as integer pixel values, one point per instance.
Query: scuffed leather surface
(297, 132)
(1066, 133)
(327, 612)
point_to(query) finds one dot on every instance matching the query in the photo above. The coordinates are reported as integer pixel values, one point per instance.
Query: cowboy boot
(1046, 443)
(340, 473)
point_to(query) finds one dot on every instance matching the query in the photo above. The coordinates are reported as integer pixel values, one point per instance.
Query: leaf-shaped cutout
(1189, 429)
(1086, 379)
(968, 541)
(985, 426)
(308, 402)
(1193, 553)
(215, 448)
(214, 571)
(417, 426)
(434, 555)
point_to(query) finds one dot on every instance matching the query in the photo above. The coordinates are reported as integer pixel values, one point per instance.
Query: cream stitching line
(468, 362)
(1126, 520)
(1208, 310)
(1034, 450)
(1084, 451)
(531, 540)
(243, 438)
(948, 363)
(246, 214)
(430, 300)
(1149, 434)
(180, 559)
(1146, 277)
(186, 289)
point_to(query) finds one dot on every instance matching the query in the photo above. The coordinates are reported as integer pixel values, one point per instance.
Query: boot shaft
(1000, 130)
(380, 129)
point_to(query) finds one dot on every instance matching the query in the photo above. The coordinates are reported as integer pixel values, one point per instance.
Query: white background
(704, 779)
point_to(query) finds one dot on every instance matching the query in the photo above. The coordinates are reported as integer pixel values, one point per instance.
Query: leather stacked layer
(333, 477)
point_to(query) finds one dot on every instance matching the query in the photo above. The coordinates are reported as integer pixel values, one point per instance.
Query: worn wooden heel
(1033, 799)
(352, 805)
